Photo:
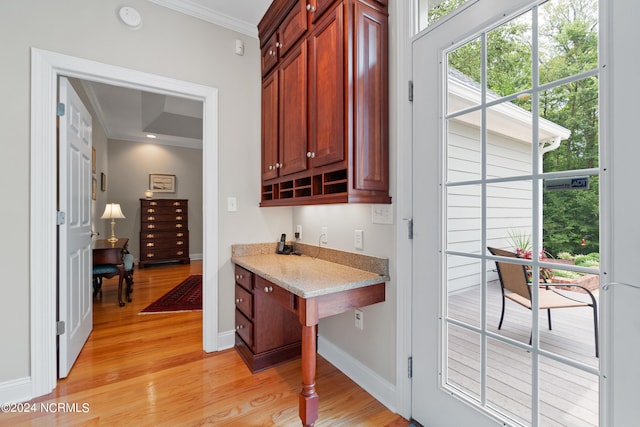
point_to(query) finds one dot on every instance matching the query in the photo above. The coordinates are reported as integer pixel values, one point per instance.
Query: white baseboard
(381, 389)
(15, 391)
(196, 256)
(226, 340)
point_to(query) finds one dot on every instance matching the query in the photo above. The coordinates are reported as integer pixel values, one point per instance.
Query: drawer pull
(178, 225)
(179, 210)
(179, 234)
(150, 245)
(178, 218)
(238, 327)
(151, 210)
(180, 253)
(176, 204)
(268, 289)
(239, 300)
(151, 218)
(150, 255)
(154, 203)
(151, 226)
(150, 236)
(179, 243)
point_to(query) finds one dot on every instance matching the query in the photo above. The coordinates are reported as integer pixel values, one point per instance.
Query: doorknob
(94, 233)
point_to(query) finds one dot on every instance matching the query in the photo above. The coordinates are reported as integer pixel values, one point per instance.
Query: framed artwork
(161, 183)
(94, 188)
(93, 160)
(103, 182)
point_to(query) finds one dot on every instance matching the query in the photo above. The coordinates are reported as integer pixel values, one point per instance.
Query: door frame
(46, 66)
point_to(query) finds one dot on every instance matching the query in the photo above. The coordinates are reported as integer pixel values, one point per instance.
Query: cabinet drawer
(244, 301)
(275, 292)
(243, 277)
(158, 217)
(159, 210)
(145, 203)
(244, 328)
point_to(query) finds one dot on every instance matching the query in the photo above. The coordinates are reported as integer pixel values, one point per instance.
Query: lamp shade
(112, 210)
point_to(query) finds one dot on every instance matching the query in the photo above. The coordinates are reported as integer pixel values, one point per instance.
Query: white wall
(169, 44)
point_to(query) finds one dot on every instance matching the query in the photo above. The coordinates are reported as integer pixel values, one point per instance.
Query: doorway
(484, 136)
(46, 67)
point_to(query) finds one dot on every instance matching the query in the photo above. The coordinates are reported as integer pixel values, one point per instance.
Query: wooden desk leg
(308, 397)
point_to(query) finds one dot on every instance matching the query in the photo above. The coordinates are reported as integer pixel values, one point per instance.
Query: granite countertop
(311, 276)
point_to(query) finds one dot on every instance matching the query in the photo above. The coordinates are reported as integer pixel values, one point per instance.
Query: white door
(485, 82)
(75, 307)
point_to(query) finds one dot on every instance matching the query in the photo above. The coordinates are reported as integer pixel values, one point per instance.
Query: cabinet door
(293, 112)
(371, 139)
(320, 7)
(292, 28)
(326, 90)
(269, 54)
(270, 127)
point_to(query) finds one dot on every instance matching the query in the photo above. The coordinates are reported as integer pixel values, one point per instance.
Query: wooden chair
(515, 286)
(124, 271)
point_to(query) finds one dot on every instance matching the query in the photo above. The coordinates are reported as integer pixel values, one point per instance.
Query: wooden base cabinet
(325, 108)
(164, 231)
(267, 334)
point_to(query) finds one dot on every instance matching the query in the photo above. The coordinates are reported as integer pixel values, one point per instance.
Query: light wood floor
(150, 370)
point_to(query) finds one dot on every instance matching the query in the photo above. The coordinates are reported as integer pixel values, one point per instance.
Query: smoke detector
(130, 17)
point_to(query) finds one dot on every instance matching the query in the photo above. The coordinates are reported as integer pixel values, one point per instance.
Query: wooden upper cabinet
(292, 149)
(371, 89)
(330, 83)
(326, 90)
(270, 96)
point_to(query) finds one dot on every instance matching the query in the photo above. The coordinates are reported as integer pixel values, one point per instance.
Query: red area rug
(187, 296)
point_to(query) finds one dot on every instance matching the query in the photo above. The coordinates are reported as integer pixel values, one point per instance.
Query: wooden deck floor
(150, 370)
(568, 396)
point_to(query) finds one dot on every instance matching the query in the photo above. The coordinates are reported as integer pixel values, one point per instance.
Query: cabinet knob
(278, 44)
(238, 276)
(268, 289)
(270, 167)
(239, 327)
(239, 300)
(311, 8)
(278, 165)
(311, 154)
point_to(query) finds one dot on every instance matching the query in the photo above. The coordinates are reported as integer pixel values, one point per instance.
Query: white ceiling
(130, 115)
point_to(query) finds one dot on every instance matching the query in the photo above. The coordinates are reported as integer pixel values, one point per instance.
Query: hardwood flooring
(150, 370)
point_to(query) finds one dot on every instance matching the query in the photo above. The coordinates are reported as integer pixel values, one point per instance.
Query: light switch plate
(358, 242)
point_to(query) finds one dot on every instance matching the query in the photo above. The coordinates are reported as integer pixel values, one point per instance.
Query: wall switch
(358, 242)
(324, 238)
(232, 204)
(298, 232)
(359, 317)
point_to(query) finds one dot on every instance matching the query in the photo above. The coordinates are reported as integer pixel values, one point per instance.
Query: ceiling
(130, 115)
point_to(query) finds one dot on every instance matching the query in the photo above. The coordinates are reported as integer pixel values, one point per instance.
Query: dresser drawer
(145, 203)
(159, 217)
(163, 226)
(163, 235)
(163, 254)
(168, 210)
(274, 292)
(175, 243)
(244, 328)
(243, 277)
(244, 301)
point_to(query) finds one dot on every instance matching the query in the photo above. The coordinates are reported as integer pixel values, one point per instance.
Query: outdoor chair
(515, 286)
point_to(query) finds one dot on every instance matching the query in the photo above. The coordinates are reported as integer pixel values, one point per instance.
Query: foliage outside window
(431, 11)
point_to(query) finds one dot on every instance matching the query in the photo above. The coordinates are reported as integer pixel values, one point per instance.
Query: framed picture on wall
(93, 160)
(94, 188)
(103, 182)
(162, 183)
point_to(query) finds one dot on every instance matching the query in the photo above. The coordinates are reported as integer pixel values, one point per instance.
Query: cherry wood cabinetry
(267, 331)
(324, 102)
(164, 231)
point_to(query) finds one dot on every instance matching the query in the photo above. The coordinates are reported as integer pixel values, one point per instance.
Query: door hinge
(410, 226)
(60, 218)
(60, 108)
(410, 90)
(60, 328)
(410, 367)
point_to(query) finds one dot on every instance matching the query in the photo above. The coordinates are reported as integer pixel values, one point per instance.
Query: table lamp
(112, 211)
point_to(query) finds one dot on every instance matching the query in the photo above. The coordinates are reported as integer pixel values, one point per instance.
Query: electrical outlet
(324, 237)
(298, 232)
(232, 204)
(359, 318)
(358, 242)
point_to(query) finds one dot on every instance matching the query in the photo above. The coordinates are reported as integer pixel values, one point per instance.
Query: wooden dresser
(164, 231)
